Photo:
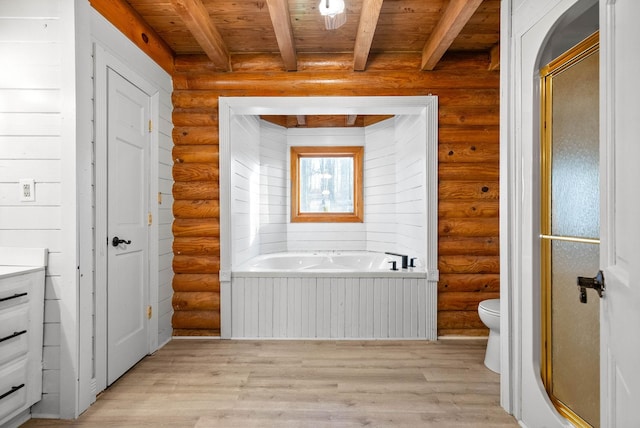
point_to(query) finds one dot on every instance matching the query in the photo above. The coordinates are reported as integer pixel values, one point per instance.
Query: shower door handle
(597, 283)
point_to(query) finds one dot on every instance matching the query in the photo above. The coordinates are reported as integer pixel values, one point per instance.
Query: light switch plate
(27, 189)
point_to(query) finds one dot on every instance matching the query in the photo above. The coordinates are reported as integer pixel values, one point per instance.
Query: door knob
(117, 241)
(597, 283)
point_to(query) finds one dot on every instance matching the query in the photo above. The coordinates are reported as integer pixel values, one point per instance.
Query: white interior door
(620, 346)
(128, 110)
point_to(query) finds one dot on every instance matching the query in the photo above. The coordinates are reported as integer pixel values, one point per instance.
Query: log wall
(468, 169)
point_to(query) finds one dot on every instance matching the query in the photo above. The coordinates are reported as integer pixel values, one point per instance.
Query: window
(326, 184)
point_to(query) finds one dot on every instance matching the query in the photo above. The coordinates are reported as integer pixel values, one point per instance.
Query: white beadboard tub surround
(307, 300)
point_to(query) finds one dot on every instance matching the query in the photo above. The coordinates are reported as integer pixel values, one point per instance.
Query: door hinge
(150, 125)
(150, 219)
(149, 312)
(160, 198)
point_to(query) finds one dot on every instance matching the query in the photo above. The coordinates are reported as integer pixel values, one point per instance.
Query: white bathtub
(327, 262)
(331, 295)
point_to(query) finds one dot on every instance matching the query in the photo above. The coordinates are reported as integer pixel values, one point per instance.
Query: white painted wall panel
(30, 9)
(48, 170)
(21, 30)
(245, 193)
(165, 217)
(29, 147)
(45, 54)
(32, 238)
(380, 189)
(411, 182)
(51, 358)
(273, 188)
(32, 95)
(30, 76)
(30, 101)
(37, 217)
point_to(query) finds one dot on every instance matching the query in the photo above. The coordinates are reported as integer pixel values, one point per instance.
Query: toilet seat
(492, 306)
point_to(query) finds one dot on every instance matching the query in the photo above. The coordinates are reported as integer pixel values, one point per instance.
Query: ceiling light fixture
(333, 12)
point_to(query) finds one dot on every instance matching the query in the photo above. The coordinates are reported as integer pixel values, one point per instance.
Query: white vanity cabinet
(21, 337)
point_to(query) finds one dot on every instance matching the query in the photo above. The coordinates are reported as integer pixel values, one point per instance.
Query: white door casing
(96, 38)
(526, 27)
(620, 213)
(93, 377)
(128, 112)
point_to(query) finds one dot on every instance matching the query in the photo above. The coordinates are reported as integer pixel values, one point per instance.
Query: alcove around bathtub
(400, 170)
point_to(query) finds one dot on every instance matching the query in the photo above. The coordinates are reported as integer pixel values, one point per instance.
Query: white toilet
(489, 311)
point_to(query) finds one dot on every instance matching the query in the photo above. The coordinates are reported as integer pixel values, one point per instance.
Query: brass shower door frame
(581, 51)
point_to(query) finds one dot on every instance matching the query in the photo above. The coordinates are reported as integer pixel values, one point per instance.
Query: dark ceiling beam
(453, 20)
(130, 23)
(196, 18)
(281, 20)
(369, 15)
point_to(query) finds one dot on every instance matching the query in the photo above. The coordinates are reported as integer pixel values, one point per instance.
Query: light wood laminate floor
(213, 383)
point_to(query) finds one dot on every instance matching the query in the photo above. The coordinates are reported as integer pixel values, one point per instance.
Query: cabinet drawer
(15, 290)
(13, 386)
(14, 334)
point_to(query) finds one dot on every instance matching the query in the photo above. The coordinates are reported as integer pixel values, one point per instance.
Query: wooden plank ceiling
(222, 29)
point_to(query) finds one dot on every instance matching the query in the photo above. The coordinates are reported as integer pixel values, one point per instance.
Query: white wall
(245, 191)
(274, 205)
(411, 182)
(164, 216)
(380, 186)
(37, 140)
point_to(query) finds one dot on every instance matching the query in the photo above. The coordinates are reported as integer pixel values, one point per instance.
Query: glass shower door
(570, 232)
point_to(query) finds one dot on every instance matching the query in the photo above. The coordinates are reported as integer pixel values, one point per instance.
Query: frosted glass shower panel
(575, 195)
(576, 330)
